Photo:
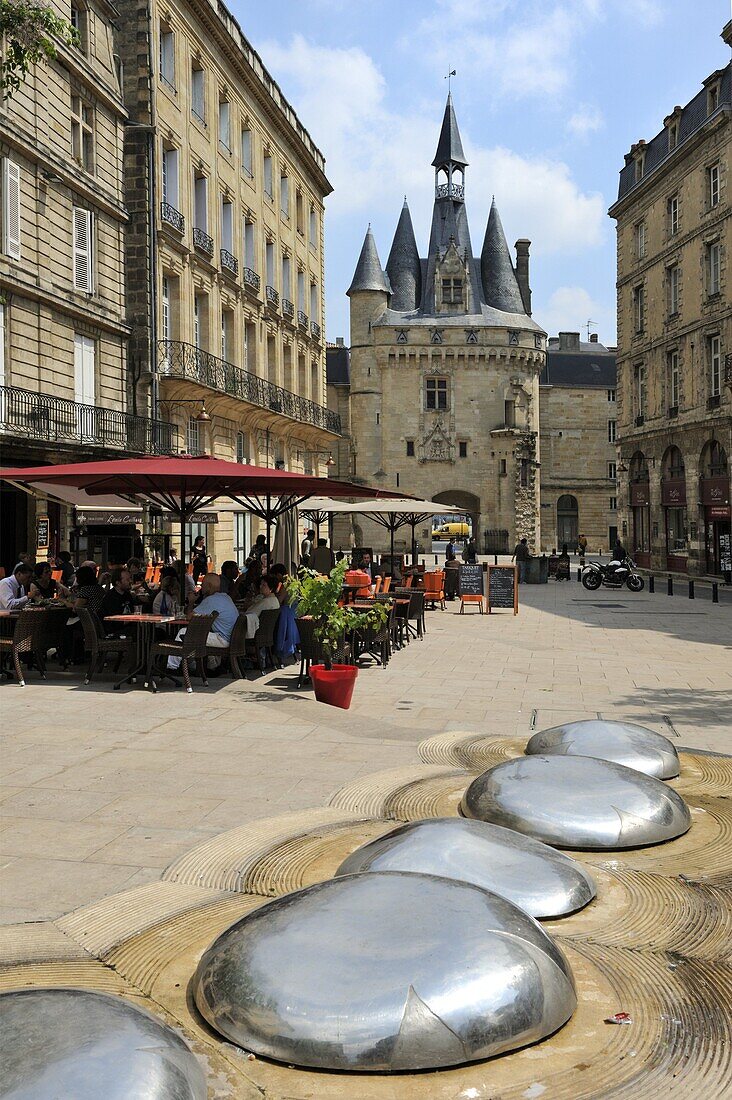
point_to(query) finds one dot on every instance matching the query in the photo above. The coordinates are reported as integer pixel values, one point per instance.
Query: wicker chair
(99, 646)
(261, 646)
(27, 638)
(411, 612)
(237, 646)
(192, 646)
(376, 642)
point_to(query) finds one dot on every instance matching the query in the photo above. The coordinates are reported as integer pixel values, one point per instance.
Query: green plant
(29, 28)
(318, 597)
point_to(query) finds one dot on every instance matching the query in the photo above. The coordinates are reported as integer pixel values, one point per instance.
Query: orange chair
(408, 581)
(386, 586)
(471, 599)
(57, 574)
(434, 588)
(149, 570)
(156, 574)
(377, 585)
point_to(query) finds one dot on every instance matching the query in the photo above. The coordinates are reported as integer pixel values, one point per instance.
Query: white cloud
(569, 308)
(585, 120)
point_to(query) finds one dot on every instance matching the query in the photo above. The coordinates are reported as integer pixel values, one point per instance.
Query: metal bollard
(715, 592)
(651, 583)
(579, 575)
(435, 559)
(670, 583)
(495, 559)
(691, 590)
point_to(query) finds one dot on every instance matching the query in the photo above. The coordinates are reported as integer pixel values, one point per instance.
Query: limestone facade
(674, 241)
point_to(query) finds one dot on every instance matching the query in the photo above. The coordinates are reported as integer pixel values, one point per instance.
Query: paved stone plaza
(102, 790)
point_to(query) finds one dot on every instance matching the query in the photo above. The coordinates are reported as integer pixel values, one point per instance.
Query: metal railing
(56, 419)
(315, 329)
(273, 298)
(229, 261)
(181, 360)
(302, 319)
(251, 279)
(446, 191)
(202, 240)
(288, 308)
(172, 217)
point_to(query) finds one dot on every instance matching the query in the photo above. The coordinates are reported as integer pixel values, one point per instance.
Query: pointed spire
(500, 285)
(403, 266)
(368, 274)
(449, 147)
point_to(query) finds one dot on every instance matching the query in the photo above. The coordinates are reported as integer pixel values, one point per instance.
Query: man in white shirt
(14, 590)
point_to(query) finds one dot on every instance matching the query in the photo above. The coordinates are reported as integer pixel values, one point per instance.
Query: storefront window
(675, 530)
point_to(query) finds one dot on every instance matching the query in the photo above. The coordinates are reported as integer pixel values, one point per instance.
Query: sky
(549, 96)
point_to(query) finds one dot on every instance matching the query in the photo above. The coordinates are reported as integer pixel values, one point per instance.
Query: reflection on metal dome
(76, 1043)
(621, 742)
(386, 972)
(577, 802)
(540, 880)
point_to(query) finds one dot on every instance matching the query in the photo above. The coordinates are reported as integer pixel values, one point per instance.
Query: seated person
(65, 564)
(228, 576)
(322, 558)
(43, 586)
(87, 592)
(168, 597)
(14, 589)
(120, 599)
(247, 586)
(223, 625)
(265, 601)
(280, 572)
(367, 566)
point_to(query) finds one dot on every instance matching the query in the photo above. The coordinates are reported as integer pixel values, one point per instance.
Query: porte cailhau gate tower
(445, 363)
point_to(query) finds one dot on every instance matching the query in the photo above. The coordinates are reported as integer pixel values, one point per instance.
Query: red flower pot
(334, 686)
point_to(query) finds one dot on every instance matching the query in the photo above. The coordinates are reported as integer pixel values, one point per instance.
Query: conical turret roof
(449, 147)
(368, 274)
(403, 266)
(498, 276)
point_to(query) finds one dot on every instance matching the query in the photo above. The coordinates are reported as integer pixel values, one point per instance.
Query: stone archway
(468, 502)
(567, 521)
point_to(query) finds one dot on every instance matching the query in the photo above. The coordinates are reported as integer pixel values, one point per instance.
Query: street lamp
(329, 462)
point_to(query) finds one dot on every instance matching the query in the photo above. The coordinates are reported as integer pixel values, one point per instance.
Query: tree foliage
(31, 31)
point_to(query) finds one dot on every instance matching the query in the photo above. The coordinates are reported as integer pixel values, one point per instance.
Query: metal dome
(535, 877)
(76, 1043)
(621, 742)
(385, 972)
(577, 802)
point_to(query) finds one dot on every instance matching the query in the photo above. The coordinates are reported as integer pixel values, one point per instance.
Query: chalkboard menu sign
(502, 587)
(471, 580)
(42, 533)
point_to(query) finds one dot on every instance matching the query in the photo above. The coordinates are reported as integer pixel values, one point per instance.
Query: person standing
(582, 545)
(199, 558)
(306, 549)
(322, 558)
(470, 553)
(522, 557)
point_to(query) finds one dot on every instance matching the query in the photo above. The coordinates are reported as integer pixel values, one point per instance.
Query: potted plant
(317, 598)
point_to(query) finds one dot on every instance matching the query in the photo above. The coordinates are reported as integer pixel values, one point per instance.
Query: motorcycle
(613, 575)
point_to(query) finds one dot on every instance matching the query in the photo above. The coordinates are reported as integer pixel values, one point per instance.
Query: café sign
(86, 517)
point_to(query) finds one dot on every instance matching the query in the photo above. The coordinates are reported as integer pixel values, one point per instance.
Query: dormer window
(452, 292)
(640, 166)
(673, 135)
(712, 98)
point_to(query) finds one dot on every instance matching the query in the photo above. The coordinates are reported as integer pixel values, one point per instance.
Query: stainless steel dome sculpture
(621, 742)
(535, 877)
(73, 1043)
(385, 972)
(577, 802)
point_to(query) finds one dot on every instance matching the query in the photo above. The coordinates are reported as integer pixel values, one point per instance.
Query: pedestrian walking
(522, 556)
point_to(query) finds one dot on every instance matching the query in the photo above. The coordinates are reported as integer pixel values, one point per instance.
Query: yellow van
(451, 531)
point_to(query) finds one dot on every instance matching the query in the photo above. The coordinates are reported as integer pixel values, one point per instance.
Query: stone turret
(368, 274)
(403, 266)
(500, 285)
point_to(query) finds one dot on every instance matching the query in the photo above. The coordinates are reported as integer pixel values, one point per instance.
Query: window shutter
(83, 249)
(11, 208)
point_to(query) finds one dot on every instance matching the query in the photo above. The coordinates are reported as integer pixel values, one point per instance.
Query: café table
(144, 627)
(350, 591)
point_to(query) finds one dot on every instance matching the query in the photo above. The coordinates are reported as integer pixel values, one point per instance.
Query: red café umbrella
(184, 484)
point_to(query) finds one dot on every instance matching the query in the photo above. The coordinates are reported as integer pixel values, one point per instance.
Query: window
(313, 231)
(452, 292)
(170, 177)
(167, 56)
(249, 246)
(226, 327)
(509, 414)
(640, 166)
(301, 291)
(79, 23)
(715, 365)
(198, 93)
(286, 278)
(640, 240)
(712, 98)
(2, 353)
(612, 471)
(82, 229)
(462, 449)
(612, 430)
(640, 390)
(673, 215)
(639, 296)
(11, 208)
(503, 467)
(673, 135)
(84, 370)
(313, 302)
(246, 152)
(242, 447)
(713, 267)
(713, 185)
(200, 203)
(613, 504)
(227, 225)
(224, 130)
(672, 282)
(284, 195)
(193, 437)
(269, 267)
(611, 396)
(524, 473)
(299, 214)
(200, 321)
(410, 448)
(268, 174)
(165, 316)
(250, 346)
(436, 393)
(82, 133)
(241, 536)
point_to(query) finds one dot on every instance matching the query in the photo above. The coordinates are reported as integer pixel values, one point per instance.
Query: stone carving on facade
(437, 445)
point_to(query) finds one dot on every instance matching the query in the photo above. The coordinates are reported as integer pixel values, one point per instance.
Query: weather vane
(453, 72)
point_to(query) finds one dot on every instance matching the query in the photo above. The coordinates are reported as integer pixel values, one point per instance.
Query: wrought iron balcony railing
(445, 191)
(288, 308)
(202, 240)
(180, 360)
(229, 262)
(273, 298)
(58, 420)
(315, 329)
(251, 279)
(302, 319)
(172, 217)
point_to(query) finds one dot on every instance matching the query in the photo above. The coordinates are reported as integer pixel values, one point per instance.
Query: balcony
(57, 420)
(172, 217)
(251, 279)
(202, 241)
(229, 262)
(302, 319)
(179, 360)
(288, 309)
(315, 330)
(714, 401)
(272, 297)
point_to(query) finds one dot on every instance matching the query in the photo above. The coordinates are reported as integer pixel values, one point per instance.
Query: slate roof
(500, 286)
(368, 274)
(403, 266)
(337, 366)
(592, 366)
(449, 146)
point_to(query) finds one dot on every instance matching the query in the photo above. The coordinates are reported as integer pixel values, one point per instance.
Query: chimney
(594, 338)
(340, 342)
(569, 341)
(522, 272)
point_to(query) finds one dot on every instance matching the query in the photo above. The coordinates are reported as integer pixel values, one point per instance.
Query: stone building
(224, 248)
(577, 391)
(445, 362)
(63, 362)
(674, 219)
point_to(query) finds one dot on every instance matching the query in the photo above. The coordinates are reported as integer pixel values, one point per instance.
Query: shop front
(111, 536)
(715, 500)
(673, 502)
(640, 511)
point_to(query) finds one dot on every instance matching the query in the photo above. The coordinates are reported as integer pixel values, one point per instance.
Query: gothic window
(537, 341)
(452, 292)
(436, 393)
(436, 337)
(513, 338)
(410, 448)
(471, 336)
(401, 336)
